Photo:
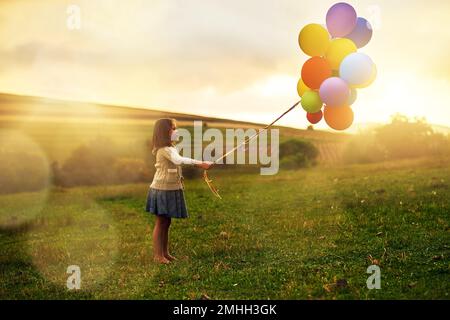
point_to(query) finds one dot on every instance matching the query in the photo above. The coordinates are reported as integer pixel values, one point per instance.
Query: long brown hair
(161, 137)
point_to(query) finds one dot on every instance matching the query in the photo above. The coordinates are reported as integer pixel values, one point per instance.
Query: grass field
(306, 234)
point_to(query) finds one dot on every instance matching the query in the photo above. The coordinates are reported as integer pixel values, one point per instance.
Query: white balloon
(357, 69)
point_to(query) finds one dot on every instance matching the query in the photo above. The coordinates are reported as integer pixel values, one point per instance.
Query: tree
(403, 138)
(295, 153)
(90, 164)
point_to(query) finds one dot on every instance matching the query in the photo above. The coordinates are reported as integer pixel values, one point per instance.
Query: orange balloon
(338, 118)
(315, 71)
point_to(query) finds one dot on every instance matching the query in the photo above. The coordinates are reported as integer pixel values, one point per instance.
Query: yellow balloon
(301, 88)
(314, 40)
(338, 50)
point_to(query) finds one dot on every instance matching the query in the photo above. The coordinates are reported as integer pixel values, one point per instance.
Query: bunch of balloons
(330, 78)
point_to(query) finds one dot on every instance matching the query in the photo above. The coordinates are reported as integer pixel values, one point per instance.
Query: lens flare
(25, 179)
(74, 230)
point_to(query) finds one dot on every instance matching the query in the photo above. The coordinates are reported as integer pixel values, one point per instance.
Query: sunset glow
(234, 59)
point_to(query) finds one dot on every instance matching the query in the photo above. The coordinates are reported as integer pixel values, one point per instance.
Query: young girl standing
(165, 197)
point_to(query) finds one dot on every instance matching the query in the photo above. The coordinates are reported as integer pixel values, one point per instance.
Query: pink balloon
(335, 92)
(362, 33)
(341, 19)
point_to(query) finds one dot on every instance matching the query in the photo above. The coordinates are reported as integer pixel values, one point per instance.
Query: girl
(165, 197)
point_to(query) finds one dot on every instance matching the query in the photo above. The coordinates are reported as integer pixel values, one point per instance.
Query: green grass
(295, 235)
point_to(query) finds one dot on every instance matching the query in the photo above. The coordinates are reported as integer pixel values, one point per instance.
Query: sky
(229, 59)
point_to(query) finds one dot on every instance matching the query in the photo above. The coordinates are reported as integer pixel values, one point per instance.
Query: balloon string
(205, 174)
(258, 133)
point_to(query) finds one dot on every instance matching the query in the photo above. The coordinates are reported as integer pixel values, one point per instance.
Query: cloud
(26, 54)
(203, 54)
(184, 45)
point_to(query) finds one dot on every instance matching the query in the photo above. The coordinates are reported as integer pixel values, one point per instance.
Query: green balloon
(311, 101)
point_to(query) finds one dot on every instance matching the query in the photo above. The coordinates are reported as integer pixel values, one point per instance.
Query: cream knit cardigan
(169, 175)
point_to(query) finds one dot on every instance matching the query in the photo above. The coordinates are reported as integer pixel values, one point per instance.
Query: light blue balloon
(356, 69)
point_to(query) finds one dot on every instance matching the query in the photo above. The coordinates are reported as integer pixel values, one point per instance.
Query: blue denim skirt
(167, 203)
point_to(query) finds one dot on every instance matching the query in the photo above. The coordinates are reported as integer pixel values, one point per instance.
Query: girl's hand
(205, 165)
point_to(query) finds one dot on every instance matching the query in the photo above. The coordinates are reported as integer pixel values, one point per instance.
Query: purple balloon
(362, 33)
(341, 19)
(334, 92)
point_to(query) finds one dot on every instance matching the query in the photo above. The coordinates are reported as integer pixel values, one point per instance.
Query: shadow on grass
(19, 278)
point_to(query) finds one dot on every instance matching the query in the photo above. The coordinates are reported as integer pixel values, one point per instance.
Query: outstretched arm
(173, 155)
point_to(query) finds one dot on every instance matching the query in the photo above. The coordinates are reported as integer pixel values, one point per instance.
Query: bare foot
(170, 257)
(162, 260)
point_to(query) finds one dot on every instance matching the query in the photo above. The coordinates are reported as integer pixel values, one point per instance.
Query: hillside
(58, 126)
